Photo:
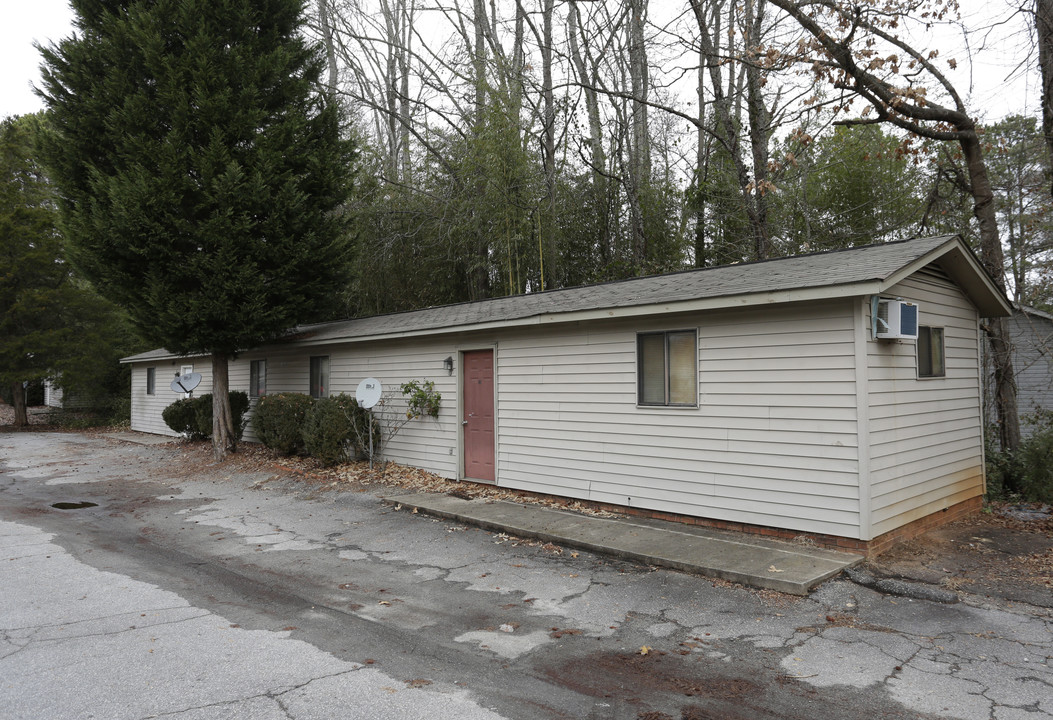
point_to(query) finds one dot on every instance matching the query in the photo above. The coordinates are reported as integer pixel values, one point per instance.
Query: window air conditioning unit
(896, 320)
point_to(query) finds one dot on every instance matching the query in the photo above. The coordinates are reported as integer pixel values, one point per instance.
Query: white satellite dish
(186, 383)
(368, 392)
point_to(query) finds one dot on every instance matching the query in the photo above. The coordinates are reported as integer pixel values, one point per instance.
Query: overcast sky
(26, 21)
(998, 84)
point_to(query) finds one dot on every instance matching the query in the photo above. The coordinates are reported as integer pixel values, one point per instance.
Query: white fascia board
(131, 359)
(907, 270)
(826, 292)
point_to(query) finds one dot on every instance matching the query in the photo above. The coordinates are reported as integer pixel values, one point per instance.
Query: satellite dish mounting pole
(368, 394)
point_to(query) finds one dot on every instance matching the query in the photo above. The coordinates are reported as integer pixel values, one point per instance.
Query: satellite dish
(368, 392)
(186, 383)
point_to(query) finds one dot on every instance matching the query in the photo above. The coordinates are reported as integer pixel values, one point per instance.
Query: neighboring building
(1031, 335)
(52, 394)
(56, 398)
(752, 396)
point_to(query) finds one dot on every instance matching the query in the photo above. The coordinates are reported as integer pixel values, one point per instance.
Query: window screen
(320, 376)
(931, 361)
(667, 368)
(257, 378)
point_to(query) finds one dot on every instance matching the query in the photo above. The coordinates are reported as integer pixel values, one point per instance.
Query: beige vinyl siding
(926, 435)
(773, 441)
(147, 409)
(427, 442)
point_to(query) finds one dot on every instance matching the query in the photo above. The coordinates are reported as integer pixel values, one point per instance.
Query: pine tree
(201, 171)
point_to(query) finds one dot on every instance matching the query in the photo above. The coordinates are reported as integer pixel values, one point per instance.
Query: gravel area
(38, 415)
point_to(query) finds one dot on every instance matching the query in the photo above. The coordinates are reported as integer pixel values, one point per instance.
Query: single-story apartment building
(757, 396)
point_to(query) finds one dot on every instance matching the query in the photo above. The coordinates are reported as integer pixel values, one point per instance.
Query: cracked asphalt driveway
(197, 593)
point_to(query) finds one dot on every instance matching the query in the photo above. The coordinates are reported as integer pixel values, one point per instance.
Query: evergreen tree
(201, 171)
(855, 186)
(51, 324)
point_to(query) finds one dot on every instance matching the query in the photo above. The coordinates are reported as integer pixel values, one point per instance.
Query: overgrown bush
(192, 417)
(335, 429)
(278, 421)
(1036, 464)
(121, 410)
(1026, 474)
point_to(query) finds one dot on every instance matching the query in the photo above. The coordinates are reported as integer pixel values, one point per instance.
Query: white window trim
(666, 406)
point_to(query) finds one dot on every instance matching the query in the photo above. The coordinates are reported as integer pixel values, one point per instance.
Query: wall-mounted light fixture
(448, 364)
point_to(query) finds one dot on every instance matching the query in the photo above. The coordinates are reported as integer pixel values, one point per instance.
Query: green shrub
(278, 421)
(192, 417)
(335, 430)
(239, 405)
(1036, 463)
(421, 399)
(181, 416)
(120, 411)
(1026, 474)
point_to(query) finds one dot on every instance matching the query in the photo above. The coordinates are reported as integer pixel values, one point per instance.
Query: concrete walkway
(786, 567)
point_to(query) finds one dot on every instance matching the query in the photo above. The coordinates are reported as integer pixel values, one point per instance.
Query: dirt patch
(643, 674)
(1004, 552)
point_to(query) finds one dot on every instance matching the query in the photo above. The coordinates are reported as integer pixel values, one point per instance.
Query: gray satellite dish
(368, 392)
(186, 383)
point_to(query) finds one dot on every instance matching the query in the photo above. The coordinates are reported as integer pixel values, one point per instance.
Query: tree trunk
(326, 27)
(548, 130)
(727, 129)
(760, 131)
(479, 58)
(18, 397)
(640, 81)
(588, 75)
(224, 439)
(1044, 30)
(993, 260)
(701, 161)
(405, 48)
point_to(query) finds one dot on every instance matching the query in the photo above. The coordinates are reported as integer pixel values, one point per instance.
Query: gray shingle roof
(842, 267)
(818, 270)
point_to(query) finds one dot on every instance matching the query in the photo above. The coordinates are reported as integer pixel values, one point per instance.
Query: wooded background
(511, 146)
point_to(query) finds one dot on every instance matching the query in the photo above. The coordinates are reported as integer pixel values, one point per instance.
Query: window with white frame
(667, 368)
(151, 381)
(931, 355)
(257, 378)
(320, 376)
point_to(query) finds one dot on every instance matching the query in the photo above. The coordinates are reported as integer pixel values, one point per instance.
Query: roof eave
(778, 297)
(963, 267)
(148, 357)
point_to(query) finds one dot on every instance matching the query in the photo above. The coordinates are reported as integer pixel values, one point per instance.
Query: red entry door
(478, 418)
